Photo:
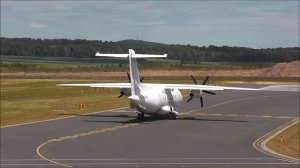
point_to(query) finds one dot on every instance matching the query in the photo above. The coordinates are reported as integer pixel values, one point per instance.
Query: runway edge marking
(54, 119)
(109, 129)
(260, 143)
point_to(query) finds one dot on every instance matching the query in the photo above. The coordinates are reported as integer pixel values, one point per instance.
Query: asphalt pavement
(219, 135)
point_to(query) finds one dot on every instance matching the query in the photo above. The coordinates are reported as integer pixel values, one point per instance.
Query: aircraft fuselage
(156, 100)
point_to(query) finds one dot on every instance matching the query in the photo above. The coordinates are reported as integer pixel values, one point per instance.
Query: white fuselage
(156, 100)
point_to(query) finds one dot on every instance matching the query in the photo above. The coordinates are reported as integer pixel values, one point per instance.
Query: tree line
(79, 48)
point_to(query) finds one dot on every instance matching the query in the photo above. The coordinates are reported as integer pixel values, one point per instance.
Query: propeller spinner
(192, 92)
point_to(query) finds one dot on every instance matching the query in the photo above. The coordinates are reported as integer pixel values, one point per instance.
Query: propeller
(191, 97)
(204, 91)
(128, 76)
(141, 80)
(122, 93)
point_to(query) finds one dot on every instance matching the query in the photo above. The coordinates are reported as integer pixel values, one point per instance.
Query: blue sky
(257, 24)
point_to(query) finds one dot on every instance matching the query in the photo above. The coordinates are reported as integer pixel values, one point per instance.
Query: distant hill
(138, 42)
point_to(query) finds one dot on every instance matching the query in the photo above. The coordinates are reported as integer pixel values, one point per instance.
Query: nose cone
(134, 98)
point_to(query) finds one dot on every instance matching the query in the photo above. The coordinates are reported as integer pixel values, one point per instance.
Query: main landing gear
(141, 116)
(173, 116)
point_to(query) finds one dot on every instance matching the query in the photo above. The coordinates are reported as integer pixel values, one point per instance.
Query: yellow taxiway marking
(260, 143)
(266, 116)
(110, 129)
(250, 115)
(235, 115)
(230, 101)
(38, 149)
(216, 114)
(238, 115)
(284, 117)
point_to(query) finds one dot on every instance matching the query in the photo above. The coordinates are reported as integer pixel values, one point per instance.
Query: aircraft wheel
(141, 116)
(173, 116)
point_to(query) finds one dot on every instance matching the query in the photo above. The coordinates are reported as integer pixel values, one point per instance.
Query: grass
(25, 100)
(38, 64)
(290, 144)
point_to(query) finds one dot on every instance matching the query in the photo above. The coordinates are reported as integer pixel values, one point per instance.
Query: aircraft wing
(101, 85)
(167, 86)
(204, 87)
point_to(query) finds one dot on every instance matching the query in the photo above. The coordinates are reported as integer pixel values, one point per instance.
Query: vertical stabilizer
(134, 73)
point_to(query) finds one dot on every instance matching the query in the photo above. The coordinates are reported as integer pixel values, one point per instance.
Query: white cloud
(36, 25)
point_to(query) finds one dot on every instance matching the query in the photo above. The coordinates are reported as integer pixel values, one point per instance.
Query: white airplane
(150, 98)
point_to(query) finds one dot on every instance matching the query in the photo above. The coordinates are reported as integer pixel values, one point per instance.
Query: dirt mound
(284, 69)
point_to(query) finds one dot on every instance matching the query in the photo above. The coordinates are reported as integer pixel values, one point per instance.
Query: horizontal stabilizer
(149, 56)
(111, 55)
(133, 55)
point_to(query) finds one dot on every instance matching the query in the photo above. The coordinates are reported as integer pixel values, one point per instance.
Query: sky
(245, 23)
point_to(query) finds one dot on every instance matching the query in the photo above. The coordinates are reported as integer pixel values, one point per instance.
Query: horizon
(249, 24)
(144, 41)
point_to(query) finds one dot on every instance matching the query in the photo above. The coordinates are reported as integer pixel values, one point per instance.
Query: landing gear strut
(141, 116)
(173, 116)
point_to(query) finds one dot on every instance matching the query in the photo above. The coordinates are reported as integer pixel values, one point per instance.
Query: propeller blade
(122, 93)
(209, 92)
(141, 80)
(195, 82)
(205, 80)
(201, 101)
(189, 99)
(128, 76)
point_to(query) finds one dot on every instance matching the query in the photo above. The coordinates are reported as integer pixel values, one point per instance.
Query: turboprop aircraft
(150, 98)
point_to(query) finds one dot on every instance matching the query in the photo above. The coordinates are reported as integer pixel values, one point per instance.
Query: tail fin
(134, 73)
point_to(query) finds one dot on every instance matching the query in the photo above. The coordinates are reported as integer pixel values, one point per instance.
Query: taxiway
(219, 135)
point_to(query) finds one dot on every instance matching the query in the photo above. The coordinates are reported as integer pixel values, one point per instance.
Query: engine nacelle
(195, 93)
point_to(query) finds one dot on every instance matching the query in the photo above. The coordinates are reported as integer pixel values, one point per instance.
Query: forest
(187, 54)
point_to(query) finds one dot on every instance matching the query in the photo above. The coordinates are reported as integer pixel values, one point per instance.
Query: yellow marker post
(81, 106)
